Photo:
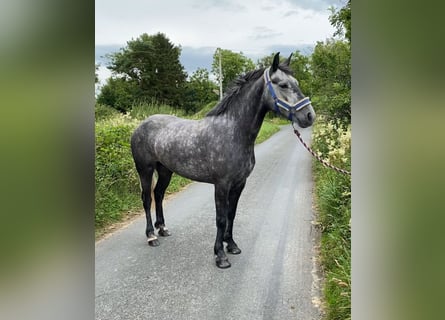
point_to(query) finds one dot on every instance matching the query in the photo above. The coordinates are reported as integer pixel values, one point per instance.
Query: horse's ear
(287, 62)
(276, 61)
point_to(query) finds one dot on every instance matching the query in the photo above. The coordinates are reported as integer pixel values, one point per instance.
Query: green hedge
(117, 184)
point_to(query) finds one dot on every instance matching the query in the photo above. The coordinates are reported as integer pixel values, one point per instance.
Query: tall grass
(333, 199)
(142, 110)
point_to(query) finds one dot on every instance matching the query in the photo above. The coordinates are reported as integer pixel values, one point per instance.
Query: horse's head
(284, 95)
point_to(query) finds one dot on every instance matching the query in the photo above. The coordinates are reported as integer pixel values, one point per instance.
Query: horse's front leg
(234, 195)
(222, 208)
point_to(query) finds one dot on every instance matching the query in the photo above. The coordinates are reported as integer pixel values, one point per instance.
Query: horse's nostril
(309, 116)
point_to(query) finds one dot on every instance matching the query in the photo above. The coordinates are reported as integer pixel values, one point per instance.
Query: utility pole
(220, 76)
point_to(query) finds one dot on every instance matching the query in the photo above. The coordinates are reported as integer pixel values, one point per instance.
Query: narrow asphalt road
(273, 278)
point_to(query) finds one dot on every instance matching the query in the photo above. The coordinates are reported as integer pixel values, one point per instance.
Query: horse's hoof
(152, 240)
(222, 263)
(233, 250)
(153, 243)
(163, 232)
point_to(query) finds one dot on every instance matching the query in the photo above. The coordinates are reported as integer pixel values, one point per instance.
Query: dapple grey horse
(218, 149)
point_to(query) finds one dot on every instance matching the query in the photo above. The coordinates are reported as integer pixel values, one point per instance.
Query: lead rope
(326, 164)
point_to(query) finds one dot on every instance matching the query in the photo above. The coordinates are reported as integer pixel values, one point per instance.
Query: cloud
(291, 13)
(251, 28)
(264, 33)
(256, 28)
(286, 50)
(316, 5)
(268, 8)
(229, 5)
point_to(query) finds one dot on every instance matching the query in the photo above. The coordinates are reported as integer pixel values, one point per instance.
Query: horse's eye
(283, 85)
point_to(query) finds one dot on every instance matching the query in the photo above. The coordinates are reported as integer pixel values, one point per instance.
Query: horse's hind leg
(234, 195)
(164, 177)
(146, 176)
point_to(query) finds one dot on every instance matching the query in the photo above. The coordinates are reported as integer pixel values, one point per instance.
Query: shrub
(118, 93)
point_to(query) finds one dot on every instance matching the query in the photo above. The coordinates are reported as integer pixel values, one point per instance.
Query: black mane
(236, 86)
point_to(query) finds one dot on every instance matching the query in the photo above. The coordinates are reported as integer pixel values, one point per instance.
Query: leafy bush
(118, 93)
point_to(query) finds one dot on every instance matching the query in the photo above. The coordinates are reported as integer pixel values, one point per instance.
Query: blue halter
(281, 103)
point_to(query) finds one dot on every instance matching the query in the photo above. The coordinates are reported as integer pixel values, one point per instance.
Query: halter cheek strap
(279, 103)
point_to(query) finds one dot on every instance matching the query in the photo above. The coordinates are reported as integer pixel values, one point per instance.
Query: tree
(200, 90)
(341, 20)
(299, 64)
(331, 69)
(233, 65)
(96, 76)
(331, 78)
(152, 62)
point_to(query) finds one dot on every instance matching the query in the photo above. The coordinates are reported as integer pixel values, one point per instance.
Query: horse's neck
(249, 116)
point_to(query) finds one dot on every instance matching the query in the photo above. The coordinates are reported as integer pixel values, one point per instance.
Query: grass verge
(333, 202)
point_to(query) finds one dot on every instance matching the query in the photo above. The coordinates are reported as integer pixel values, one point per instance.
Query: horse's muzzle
(305, 120)
(310, 117)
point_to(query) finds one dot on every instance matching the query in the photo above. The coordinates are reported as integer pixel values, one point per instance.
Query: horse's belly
(188, 161)
(192, 169)
(202, 165)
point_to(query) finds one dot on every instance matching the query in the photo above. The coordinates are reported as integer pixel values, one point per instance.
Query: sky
(254, 27)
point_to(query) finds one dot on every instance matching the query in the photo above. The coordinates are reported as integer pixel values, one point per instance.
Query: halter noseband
(281, 103)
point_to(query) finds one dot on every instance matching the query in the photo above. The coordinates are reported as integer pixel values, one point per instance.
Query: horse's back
(152, 126)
